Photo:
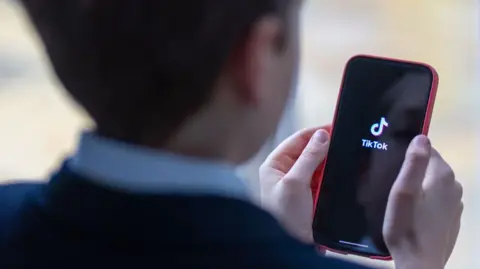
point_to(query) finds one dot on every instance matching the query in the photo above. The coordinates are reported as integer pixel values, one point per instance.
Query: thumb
(310, 158)
(407, 188)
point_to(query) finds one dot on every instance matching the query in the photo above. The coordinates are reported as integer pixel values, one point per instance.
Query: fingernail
(422, 141)
(321, 136)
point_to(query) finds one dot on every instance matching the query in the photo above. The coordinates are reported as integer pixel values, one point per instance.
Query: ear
(254, 56)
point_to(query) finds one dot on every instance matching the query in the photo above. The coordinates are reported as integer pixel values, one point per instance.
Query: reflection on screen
(382, 108)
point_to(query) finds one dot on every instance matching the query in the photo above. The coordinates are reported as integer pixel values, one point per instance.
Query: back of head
(142, 67)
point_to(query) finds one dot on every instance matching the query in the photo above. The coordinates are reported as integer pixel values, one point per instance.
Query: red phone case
(318, 176)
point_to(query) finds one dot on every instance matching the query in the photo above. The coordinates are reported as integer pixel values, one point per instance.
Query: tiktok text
(374, 145)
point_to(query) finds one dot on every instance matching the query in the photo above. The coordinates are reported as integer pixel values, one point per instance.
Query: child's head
(175, 74)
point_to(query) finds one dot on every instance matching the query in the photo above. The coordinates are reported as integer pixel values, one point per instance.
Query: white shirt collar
(141, 170)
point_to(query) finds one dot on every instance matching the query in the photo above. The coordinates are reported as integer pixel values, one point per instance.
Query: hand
(285, 179)
(424, 209)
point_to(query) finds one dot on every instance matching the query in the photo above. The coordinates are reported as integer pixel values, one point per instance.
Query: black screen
(381, 109)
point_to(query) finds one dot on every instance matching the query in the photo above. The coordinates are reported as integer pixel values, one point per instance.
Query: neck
(209, 134)
(194, 141)
(204, 141)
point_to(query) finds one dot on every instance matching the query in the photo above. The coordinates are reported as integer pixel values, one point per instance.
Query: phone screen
(382, 107)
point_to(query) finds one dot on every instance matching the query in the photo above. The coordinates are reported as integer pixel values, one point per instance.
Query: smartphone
(382, 105)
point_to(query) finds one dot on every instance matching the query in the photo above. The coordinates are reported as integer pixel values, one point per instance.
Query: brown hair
(141, 67)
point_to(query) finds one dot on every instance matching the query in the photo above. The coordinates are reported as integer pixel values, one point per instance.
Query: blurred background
(39, 124)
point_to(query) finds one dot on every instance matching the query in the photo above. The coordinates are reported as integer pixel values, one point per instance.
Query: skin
(250, 95)
(424, 207)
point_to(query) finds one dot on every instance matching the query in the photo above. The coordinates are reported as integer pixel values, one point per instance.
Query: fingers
(310, 158)
(440, 180)
(408, 186)
(412, 174)
(285, 155)
(453, 236)
(440, 173)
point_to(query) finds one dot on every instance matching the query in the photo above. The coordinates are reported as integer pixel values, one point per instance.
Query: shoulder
(12, 197)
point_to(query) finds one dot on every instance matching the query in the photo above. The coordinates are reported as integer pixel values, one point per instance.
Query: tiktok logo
(377, 128)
